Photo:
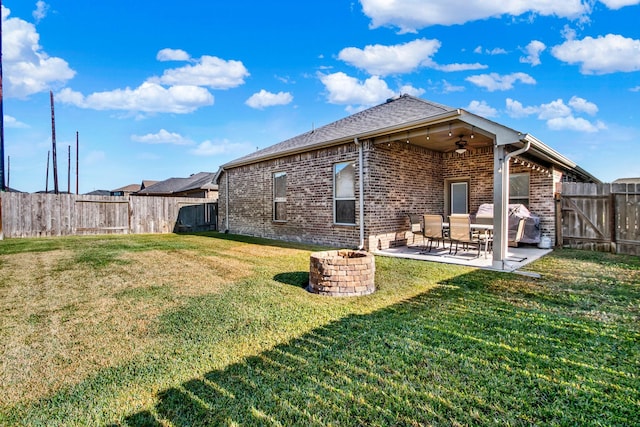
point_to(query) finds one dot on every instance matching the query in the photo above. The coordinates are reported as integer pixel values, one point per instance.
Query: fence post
(613, 200)
(558, 205)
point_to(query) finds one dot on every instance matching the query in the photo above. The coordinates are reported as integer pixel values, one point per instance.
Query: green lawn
(212, 329)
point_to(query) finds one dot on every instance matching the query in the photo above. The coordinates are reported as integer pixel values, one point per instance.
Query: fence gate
(602, 217)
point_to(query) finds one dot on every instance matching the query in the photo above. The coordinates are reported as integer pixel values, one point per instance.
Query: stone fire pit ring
(342, 272)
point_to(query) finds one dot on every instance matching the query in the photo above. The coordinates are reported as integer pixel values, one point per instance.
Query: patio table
(487, 230)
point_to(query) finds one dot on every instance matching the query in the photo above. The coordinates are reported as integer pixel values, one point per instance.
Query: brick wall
(309, 205)
(398, 179)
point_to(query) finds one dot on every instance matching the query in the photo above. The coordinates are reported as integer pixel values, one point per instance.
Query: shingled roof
(198, 181)
(395, 112)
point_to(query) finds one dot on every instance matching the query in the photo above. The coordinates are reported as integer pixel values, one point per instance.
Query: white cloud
(379, 60)
(582, 105)
(515, 109)
(382, 60)
(264, 99)
(481, 108)
(460, 67)
(494, 81)
(168, 54)
(617, 4)
(12, 122)
(344, 89)
(449, 88)
(27, 69)
(147, 98)
(574, 123)
(497, 51)
(635, 89)
(492, 52)
(558, 115)
(210, 148)
(603, 55)
(162, 137)
(209, 71)
(41, 11)
(554, 109)
(411, 15)
(410, 90)
(533, 49)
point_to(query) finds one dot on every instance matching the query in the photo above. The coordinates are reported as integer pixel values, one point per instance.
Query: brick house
(351, 183)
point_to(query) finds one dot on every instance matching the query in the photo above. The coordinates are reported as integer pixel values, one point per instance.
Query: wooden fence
(603, 217)
(34, 215)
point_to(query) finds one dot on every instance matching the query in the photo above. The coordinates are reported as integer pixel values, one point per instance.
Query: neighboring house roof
(627, 181)
(99, 193)
(199, 181)
(395, 112)
(398, 114)
(131, 188)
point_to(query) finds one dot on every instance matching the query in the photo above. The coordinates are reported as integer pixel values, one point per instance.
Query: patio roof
(418, 122)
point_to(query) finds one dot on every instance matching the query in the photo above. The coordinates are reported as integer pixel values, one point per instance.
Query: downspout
(361, 188)
(226, 203)
(504, 213)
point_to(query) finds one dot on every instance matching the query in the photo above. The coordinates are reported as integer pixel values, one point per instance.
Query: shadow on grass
(455, 355)
(299, 279)
(257, 240)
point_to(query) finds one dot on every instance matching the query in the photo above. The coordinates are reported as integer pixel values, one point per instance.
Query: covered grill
(516, 212)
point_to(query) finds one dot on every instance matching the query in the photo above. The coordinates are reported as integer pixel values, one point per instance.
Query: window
(519, 189)
(344, 193)
(280, 196)
(459, 194)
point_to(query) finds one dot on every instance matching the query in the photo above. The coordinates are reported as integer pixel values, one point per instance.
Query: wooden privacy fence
(603, 217)
(33, 215)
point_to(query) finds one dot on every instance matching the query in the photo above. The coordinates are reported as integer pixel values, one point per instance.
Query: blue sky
(168, 89)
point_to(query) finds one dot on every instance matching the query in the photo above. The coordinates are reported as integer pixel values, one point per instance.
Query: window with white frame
(519, 189)
(280, 196)
(344, 193)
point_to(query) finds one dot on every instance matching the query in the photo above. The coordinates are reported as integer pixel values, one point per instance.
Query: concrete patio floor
(517, 257)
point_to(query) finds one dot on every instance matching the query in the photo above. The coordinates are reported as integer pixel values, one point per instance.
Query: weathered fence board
(603, 217)
(33, 215)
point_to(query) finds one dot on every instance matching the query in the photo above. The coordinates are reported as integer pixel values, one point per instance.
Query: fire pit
(342, 273)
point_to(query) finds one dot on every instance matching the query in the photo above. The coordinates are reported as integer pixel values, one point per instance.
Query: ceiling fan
(461, 145)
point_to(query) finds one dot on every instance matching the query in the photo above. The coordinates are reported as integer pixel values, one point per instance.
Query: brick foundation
(342, 273)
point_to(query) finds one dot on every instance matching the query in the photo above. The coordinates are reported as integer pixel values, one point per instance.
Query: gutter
(361, 189)
(504, 211)
(226, 204)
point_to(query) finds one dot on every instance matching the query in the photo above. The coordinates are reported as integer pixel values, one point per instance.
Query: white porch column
(500, 206)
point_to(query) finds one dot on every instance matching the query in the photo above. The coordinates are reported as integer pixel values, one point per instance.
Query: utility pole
(69, 171)
(77, 174)
(46, 185)
(2, 186)
(53, 145)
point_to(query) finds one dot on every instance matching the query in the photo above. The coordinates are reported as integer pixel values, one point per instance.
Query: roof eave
(338, 141)
(555, 157)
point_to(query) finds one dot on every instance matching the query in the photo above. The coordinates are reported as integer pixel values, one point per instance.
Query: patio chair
(460, 233)
(433, 230)
(415, 223)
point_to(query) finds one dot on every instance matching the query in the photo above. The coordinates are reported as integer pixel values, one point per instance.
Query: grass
(211, 329)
